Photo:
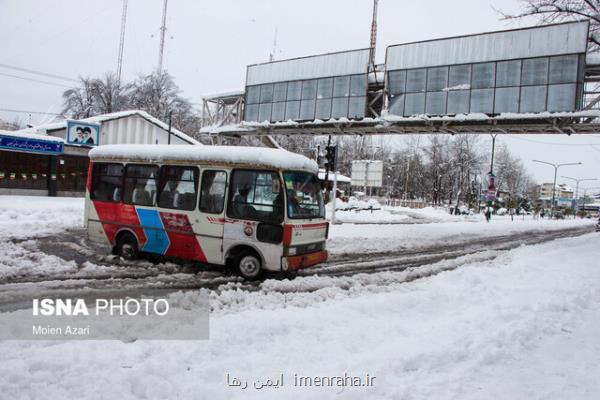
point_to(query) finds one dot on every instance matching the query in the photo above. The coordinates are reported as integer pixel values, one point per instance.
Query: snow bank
(358, 212)
(28, 217)
(23, 217)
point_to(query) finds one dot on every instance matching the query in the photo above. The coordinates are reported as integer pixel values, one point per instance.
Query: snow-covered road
(520, 323)
(523, 326)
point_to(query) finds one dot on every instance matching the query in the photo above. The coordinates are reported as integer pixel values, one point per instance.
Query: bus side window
(178, 187)
(107, 181)
(140, 184)
(212, 192)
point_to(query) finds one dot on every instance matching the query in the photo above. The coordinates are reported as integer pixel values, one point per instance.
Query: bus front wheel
(127, 246)
(248, 265)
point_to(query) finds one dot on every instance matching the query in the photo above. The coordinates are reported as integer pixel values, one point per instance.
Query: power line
(32, 71)
(28, 112)
(35, 80)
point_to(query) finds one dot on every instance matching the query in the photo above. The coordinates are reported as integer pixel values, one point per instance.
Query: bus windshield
(304, 199)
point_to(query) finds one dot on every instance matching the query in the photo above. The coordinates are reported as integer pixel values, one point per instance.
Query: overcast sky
(209, 44)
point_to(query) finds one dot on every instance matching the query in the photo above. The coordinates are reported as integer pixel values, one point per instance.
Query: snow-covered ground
(357, 238)
(519, 324)
(523, 326)
(32, 216)
(23, 217)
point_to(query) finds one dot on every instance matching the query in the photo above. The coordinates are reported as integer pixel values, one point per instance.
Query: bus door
(255, 212)
(210, 219)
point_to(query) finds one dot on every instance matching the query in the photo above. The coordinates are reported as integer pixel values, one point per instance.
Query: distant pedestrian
(488, 214)
(542, 213)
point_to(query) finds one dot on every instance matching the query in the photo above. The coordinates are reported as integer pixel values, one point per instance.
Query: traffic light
(330, 157)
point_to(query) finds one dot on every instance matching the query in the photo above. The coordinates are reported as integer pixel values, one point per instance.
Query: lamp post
(577, 189)
(493, 150)
(556, 167)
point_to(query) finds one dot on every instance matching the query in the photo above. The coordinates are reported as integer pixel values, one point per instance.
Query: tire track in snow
(17, 295)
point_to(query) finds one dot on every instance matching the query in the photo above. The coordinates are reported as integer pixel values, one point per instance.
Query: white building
(563, 195)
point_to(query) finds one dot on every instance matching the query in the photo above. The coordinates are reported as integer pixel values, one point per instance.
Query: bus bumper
(294, 263)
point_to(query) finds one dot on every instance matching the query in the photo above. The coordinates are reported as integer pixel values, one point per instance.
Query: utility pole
(121, 42)
(272, 55)
(577, 190)
(169, 139)
(556, 167)
(163, 28)
(493, 150)
(373, 42)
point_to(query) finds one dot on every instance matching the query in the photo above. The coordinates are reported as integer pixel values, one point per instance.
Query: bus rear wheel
(248, 265)
(127, 247)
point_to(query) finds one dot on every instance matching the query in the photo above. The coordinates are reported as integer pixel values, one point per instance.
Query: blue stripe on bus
(157, 239)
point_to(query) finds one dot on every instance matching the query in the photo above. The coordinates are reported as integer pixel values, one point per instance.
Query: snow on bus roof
(259, 156)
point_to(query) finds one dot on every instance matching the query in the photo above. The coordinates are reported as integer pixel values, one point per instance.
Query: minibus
(251, 209)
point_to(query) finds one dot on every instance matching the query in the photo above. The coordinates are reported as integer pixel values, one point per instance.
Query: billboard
(367, 173)
(83, 133)
(321, 87)
(528, 70)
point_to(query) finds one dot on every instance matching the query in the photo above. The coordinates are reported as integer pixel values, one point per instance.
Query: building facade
(43, 160)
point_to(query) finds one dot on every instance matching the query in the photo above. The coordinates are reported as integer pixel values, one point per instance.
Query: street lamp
(493, 149)
(577, 189)
(556, 167)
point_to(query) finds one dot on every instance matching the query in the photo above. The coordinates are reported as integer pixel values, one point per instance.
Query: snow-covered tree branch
(553, 11)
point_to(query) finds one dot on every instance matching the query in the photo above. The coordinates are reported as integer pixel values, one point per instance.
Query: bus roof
(219, 155)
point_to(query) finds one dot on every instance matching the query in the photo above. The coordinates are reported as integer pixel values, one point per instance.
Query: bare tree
(551, 11)
(79, 102)
(94, 96)
(108, 94)
(158, 95)
(512, 176)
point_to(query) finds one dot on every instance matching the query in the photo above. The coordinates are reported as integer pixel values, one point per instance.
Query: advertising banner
(83, 133)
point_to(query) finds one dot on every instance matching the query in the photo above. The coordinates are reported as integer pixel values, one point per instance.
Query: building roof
(340, 178)
(53, 126)
(225, 95)
(30, 135)
(217, 155)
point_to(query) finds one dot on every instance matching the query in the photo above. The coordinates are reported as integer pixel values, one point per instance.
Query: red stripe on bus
(186, 246)
(306, 260)
(111, 215)
(88, 183)
(311, 226)
(287, 234)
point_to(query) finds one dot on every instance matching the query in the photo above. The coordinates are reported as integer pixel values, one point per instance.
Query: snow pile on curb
(358, 211)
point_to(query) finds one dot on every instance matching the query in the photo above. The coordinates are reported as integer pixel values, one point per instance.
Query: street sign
(367, 173)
